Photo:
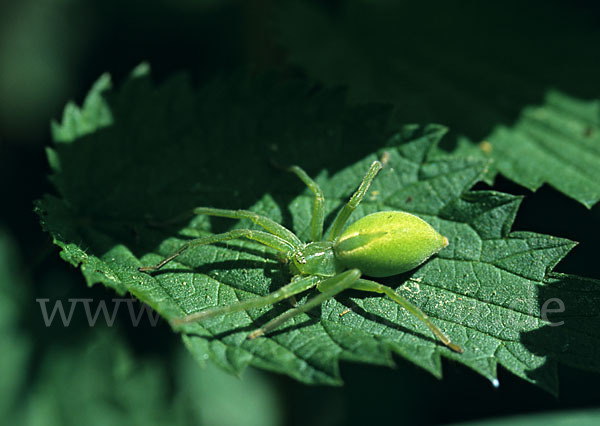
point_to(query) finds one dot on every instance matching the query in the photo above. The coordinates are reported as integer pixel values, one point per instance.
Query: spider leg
(354, 201)
(295, 287)
(265, 238)
(268, 224)
(367, 285)
(329, 288)
(318, 216)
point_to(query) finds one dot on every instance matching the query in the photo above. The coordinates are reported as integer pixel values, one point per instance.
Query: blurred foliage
(97, 380)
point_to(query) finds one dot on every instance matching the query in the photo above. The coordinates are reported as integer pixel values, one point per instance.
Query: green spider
(378, 245)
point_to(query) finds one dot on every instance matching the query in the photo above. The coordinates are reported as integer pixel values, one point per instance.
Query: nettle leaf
(170, 147)
(557, 143)
(537, 117)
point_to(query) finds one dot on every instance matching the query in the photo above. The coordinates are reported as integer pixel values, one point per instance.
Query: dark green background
(52, 52)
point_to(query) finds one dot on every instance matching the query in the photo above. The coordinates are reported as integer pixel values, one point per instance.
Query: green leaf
(536, 115)
(172, 147)
(556, 143)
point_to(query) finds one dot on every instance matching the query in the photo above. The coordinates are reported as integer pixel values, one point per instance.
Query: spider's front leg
(268, 224)
(354, 201)
(318, 215)
(265, 238)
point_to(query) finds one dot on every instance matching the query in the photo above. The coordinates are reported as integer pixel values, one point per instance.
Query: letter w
(101, 308)
(58, 306)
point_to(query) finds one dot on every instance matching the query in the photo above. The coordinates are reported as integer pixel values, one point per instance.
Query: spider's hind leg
(328, 288)
(289, 290)
(372, 286)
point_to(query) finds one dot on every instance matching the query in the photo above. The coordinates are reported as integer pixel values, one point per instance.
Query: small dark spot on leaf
(408, 199)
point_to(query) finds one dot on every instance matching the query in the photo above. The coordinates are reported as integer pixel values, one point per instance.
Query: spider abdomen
(387, 243)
